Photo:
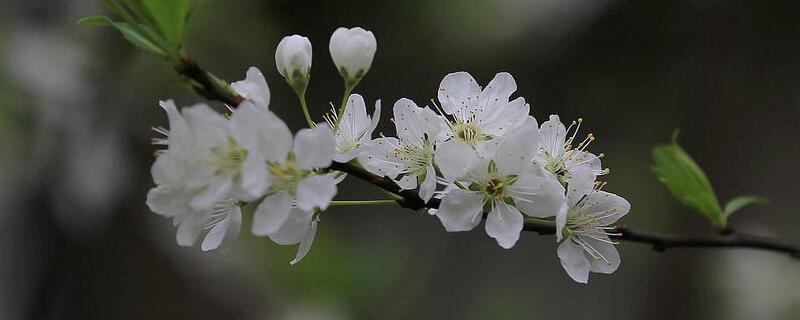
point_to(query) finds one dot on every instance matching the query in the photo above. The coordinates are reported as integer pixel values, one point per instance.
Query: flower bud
(293, 60)
(352, 51)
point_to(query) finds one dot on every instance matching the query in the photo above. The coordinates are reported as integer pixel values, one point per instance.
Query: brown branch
(210, 87)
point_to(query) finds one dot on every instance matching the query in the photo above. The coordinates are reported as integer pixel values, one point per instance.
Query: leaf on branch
(687, 182)
(128, 32)
(738, 203)
(169, 17)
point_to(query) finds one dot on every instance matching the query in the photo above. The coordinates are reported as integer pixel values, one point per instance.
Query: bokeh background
(77, 104)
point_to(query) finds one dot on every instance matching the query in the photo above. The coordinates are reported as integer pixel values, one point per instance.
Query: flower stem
(305, 111)
(300, 92)
(362, 202)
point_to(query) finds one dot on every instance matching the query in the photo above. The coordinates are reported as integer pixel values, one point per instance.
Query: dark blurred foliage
(76, 105)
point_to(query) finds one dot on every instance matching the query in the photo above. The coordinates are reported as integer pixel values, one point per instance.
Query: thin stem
(335, 203)
(302, 98)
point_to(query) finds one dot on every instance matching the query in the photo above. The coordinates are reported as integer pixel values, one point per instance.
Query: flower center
(286, 175)
(416, 158)
(469, 133)
(228, 158)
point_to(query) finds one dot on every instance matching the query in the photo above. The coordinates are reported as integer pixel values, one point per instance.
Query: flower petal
(261, 131)
(294, 229)
(500, 88)
(378, 156)
(515, 153)
(305, 242)
(608, 260)
(407, 123)
(460, 210)
(608, 207)
(190, 227)
(255, 178)
(271, 213)
(228, 228)
(456, 159)
(458, 91)
(504, 224)
(216, 189)
(498, 118)
(315, 191)
(355, 121)
(539, 197)
(209, 127)
(574, 261)
(553, 135)
(428, 186)
(581, 184)
(314, 148)
(254, 87)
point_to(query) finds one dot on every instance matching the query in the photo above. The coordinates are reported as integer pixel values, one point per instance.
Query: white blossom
(293, 58)
(295, 191)
(254, 88)
(354, 128)
(352, 51)
(198, 177)
(410, 155)
(583, 229)
(481, 115)
(501, 183)
(561, 156)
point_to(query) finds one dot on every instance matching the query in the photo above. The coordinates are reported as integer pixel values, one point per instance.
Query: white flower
(293, 58)
(560, 156)
(503, 184)
(198, 176)
(254, 88)
(584, 227)
(354, 128)
(202, 157)
(481, 115)
(411, 153)
(295, 191)
(352, 51)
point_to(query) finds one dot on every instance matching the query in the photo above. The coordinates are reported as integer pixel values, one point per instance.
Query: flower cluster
(478, 152)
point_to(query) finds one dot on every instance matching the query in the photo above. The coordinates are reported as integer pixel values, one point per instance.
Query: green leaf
(687, 182)
(129, 33)
(738, 203)
(169, 17)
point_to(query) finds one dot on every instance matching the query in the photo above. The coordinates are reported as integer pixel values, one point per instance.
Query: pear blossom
(480, 115)
(410, 155)
(254, 88)
(354, 128)
(295, 191)
(198, 177)
(560, 156)
(501, 184)
(352, 51)
(583, 229)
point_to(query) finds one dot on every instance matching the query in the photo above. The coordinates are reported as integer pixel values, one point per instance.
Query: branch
(210, 87)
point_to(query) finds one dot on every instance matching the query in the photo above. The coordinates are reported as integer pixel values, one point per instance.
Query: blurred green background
(77, 104)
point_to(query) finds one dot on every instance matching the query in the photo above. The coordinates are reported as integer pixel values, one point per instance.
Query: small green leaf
(169, 17)
(738, 203)
(687, 182)
(129, 33)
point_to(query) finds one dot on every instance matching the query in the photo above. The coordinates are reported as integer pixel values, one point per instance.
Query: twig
(210, 88)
